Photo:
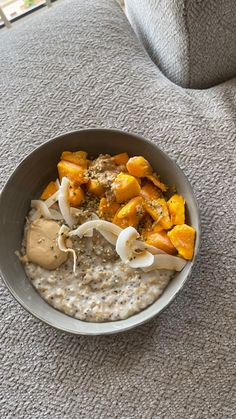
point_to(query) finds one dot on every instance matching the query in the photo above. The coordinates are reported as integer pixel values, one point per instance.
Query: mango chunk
(154, 179)
(107, 209)
(121, 158)
(150, 192)
(125, 187)
(121, 222)
(156, 227)
(183, 238)
(158, 210)
(161, 241)
(76, 157)
(95, 188)
(50, 189)
(176, 206)
(134, 206)
(76, 195)
(138, 166)
(72, 171)
(130, 214)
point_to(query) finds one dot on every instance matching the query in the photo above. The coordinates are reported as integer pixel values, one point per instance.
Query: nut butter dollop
(41, 244)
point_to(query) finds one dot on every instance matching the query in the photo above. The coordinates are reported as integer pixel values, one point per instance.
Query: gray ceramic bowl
(27, 182)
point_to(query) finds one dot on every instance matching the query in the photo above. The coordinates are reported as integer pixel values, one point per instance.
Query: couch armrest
(192, 42)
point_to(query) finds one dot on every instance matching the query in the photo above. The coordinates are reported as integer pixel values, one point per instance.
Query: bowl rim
(192, 262)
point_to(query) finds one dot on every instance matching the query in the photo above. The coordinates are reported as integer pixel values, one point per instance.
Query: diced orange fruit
(154, 209)
(107, 209)
(76, 157)
(121, 158)
(95, 188)
(138, 166)
(121, 222)
(156, 227)
(76, 195)
(150, 192)
(154, 179)
(132, 207)
(125, 187)
(161, 241)
(183, 237)
(158, 210)
(50, 189)
(72, 171)
(176, 206)
(130, 214)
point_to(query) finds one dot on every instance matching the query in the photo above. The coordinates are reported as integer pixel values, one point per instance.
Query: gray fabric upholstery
(79, 65)
(192, 42)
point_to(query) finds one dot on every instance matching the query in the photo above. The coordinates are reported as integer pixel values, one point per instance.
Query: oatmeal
(104, 240)
(103, 288)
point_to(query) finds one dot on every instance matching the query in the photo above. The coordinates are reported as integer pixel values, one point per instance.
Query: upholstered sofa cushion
(192, 41)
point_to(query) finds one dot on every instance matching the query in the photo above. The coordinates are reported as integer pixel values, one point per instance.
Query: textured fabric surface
(80, 65)
(192, 42)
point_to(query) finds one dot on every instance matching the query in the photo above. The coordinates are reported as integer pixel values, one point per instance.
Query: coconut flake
(90, 232)
(165, 261)
(125, 247)
(63, 202)
(105, 225)
(56, 215)
(49, 202)
(63, 232)
(52, 199)
(41, 208)
(141, 260)
(108, 235)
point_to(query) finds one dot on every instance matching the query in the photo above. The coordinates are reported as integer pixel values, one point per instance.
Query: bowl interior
(27, 182)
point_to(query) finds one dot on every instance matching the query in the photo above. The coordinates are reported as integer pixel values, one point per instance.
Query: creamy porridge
(103, 288)
(95, 249)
